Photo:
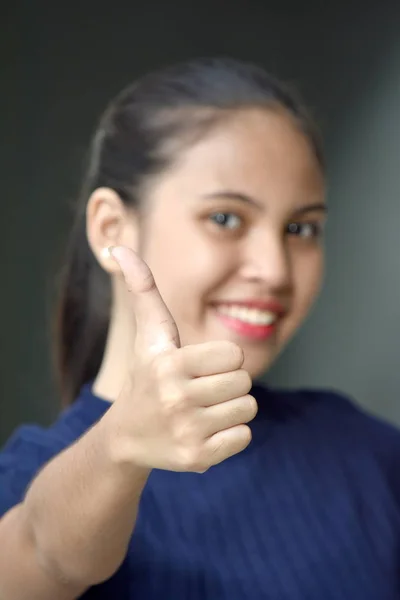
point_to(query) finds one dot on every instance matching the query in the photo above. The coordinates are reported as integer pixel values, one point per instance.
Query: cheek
(308, 277)
(188, 269)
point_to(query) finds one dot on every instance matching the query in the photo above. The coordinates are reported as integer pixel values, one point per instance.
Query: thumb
(156, 330)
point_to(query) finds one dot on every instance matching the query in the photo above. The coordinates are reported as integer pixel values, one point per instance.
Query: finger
(214, 389)
(211, 358)
(155, 327)
(227, 443)
(228, 414)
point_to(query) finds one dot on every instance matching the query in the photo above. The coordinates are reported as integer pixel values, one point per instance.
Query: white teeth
(248, 315)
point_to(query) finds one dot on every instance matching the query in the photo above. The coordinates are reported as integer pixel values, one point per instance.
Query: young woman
(196, 255)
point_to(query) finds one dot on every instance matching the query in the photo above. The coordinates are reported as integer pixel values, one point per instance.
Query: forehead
(262, 153)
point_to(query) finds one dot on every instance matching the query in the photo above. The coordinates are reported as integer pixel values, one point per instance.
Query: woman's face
(233, 235)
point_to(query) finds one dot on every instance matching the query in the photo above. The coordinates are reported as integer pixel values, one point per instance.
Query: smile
(247, 322)
(253, 316)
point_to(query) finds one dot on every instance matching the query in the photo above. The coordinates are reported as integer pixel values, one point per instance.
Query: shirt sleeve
(28, 450)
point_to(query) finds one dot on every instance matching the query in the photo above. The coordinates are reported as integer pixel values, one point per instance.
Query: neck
(113, 371)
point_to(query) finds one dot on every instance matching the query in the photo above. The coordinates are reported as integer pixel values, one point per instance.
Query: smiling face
(232, 233)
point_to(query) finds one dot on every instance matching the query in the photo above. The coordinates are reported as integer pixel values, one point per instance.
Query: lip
(250, 330)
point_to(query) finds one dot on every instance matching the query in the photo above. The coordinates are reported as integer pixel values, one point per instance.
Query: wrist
(120, 449)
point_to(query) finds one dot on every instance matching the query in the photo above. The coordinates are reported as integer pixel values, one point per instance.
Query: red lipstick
(250, 325)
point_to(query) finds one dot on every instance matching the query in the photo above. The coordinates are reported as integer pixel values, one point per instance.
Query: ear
(109, 222)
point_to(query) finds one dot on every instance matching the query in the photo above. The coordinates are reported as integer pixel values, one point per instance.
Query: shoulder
(347, 417)
(30, 447)
(343, 417)
(341, 431)
(335, 410)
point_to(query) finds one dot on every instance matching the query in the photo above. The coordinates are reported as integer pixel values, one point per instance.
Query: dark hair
(138, 136)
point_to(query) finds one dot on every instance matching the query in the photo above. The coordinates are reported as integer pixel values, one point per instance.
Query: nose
(266, 260)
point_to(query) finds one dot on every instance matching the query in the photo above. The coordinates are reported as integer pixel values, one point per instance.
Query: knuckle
(246, 382)
(165, 366)
(236, 353)
(189, 459)
(218, 449)
(238, 411)
(222, 385)
(247, 435)
(185, 431)
(173, 402)
(147, 282)
(244, 409)
(253, 407)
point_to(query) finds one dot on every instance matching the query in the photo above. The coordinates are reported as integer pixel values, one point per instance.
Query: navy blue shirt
(309, 511)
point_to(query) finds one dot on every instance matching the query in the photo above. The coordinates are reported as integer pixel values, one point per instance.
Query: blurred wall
(60, 65)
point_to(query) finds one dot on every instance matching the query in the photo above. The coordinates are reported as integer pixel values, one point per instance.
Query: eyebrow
(301, 210)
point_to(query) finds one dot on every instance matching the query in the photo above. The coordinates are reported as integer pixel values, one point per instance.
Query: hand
(181, 409)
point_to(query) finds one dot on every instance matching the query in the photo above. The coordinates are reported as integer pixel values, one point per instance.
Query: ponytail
(82, 315)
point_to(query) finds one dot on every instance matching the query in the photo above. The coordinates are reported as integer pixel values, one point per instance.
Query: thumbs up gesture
(180, 409)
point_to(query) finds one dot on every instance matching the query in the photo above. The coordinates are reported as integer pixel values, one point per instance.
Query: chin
(257, 366)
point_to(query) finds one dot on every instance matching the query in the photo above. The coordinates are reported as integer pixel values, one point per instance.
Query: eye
(305, 230)
(227, 220)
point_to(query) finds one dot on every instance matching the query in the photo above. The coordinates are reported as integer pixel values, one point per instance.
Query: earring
(106, 253)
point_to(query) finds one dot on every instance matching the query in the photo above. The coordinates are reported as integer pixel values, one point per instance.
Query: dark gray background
(60, 65)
